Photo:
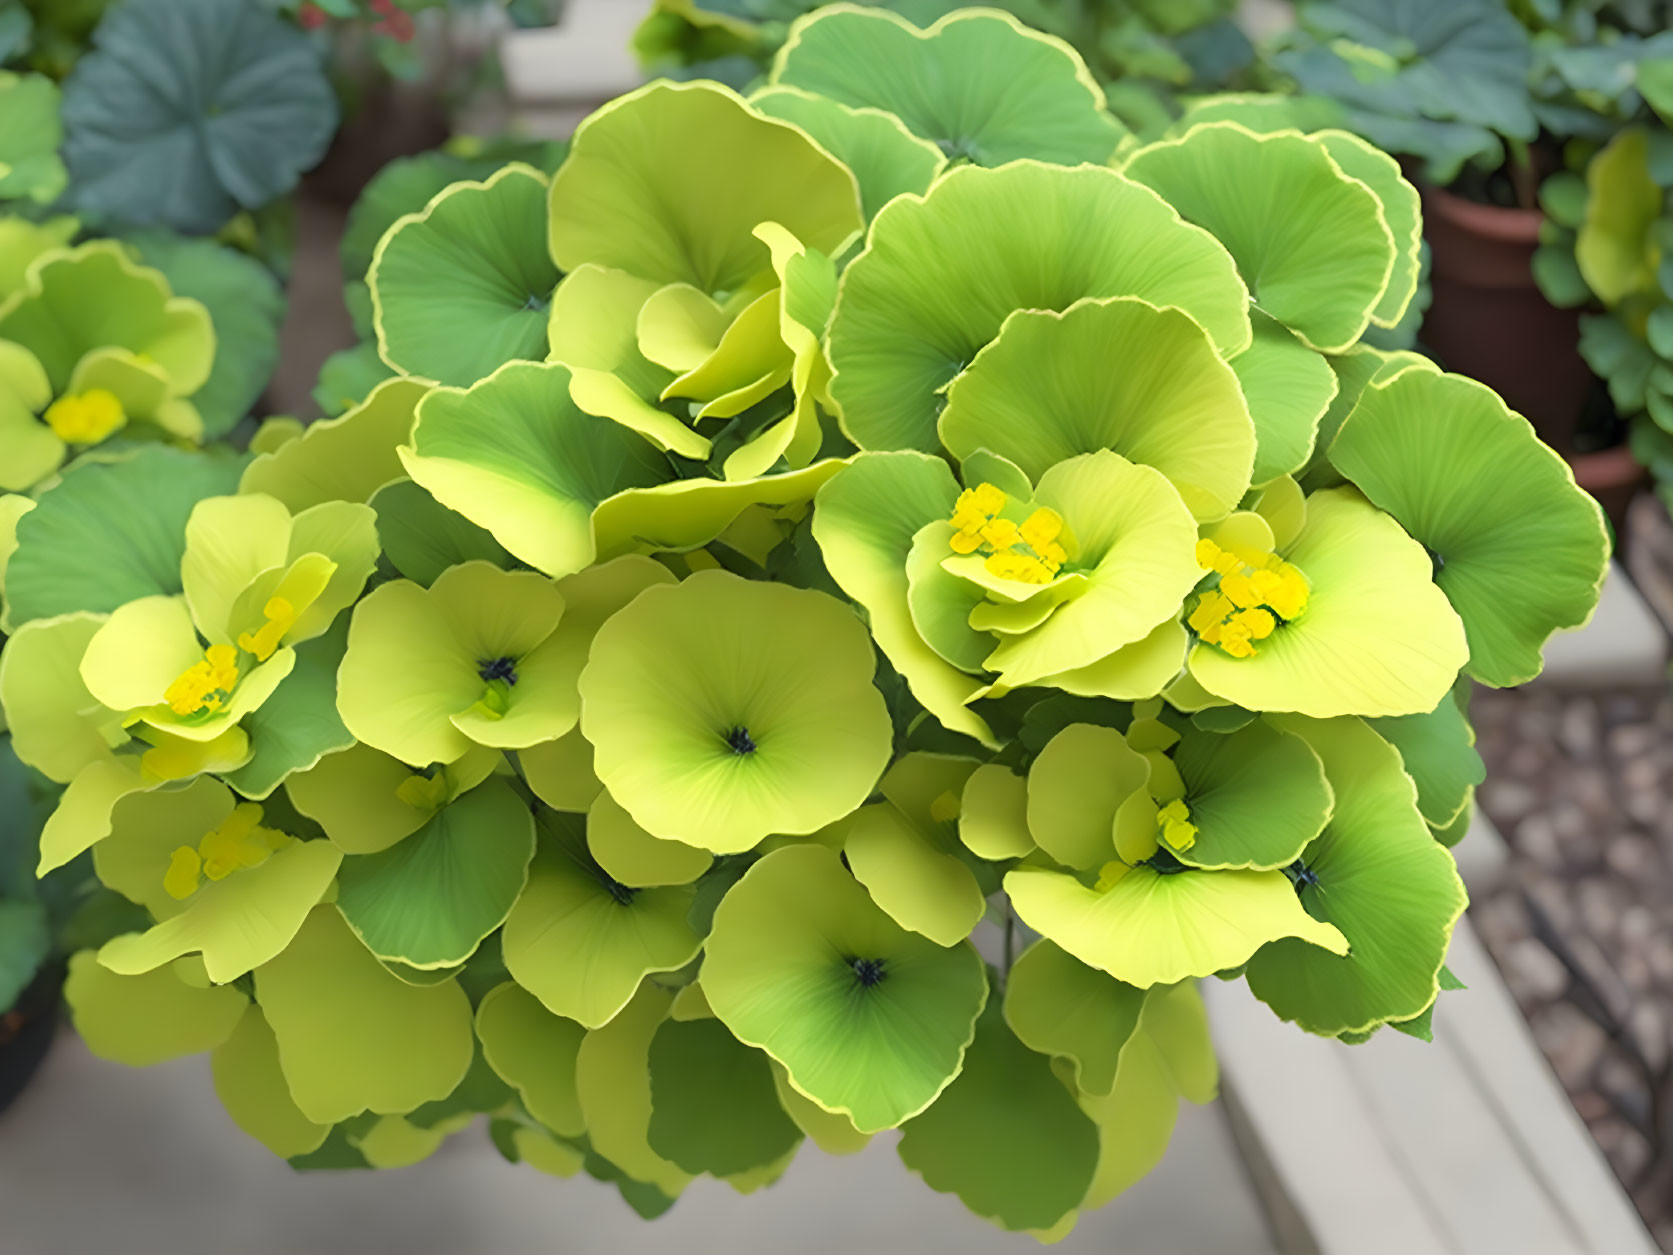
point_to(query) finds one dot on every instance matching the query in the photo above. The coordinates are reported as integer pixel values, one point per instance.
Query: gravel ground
(1581, 786)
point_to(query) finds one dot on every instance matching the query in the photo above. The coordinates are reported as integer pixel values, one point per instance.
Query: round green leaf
(430, 899)
(1520, 551)
(1438, 753)
(940, 275)
(462, 287)
(245, 304)
(1057, 1005)
(148, 1018)
(887, 160)
(1377, 874)
(1311, 242)
(109, 533)
(868, 1019)
(341, 459)
(1256, 795)
(352, 1037)
(580, 941)
(1006, 1136)
(1288, 388)
(714, 1107)
(981, 86)
(533, 1050)
(29, 139)
(1042, 392)
(515, 455)
(188, 110)
(759, 717)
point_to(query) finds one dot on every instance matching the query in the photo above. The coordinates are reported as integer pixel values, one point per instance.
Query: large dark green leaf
(246, 305)
(188, 110)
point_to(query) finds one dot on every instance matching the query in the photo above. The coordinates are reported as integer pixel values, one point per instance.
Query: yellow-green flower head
(1346, 620)
(1076, 581)
(257, 581)
(90, 344)
(216, 878)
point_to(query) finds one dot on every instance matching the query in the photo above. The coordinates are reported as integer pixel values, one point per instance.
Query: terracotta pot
(1614, 477)
(1489, 320)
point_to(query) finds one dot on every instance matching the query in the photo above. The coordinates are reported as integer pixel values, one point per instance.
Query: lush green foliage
(842, 606)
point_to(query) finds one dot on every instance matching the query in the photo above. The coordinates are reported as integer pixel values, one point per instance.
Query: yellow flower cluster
(85, 417)
(1030, 552)
(239, 842)
(204, 685)
(1257, 592)
(281, 617)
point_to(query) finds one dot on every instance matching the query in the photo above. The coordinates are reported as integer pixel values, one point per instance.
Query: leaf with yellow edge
(1057, 1005)
(1153, 928)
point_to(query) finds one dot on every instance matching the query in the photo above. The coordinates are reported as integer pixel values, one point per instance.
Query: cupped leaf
(352, 1037)
(1076, 785)
(469, 661)
(1311, 242)
(870, 1020)
(1256, 796)
(430, 899)
(1613, 247)
(633, 857)
(1376, 874)
(1402, 210)
(580, 941)
(1155, 928)
(422, 538)
(917, 305)
(981, 86)
(1043, 392)
(1006, 1136)
(462, 287)
(669, 183)
(759, 717)
(515, 455)
(887, 160)
(109, 533)
(188, 110)
(714, 1107)
(1518, 549)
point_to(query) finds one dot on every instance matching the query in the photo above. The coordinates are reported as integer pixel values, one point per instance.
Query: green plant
(1145, 52)
(782, 556)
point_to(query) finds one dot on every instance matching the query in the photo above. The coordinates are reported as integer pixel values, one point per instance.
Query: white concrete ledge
(1463, 1146)
(1624, 646)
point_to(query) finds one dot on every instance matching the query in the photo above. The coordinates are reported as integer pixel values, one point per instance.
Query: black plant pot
(26, 1033)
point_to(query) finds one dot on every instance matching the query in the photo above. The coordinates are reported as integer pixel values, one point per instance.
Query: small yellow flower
(239, 842)
(204, 685)
(281, 617)
(85, 417)
(1173, 825)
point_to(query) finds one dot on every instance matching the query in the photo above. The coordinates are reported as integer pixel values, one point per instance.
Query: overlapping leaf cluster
(816, 636)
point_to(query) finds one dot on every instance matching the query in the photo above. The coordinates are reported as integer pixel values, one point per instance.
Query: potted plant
(780, 559)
